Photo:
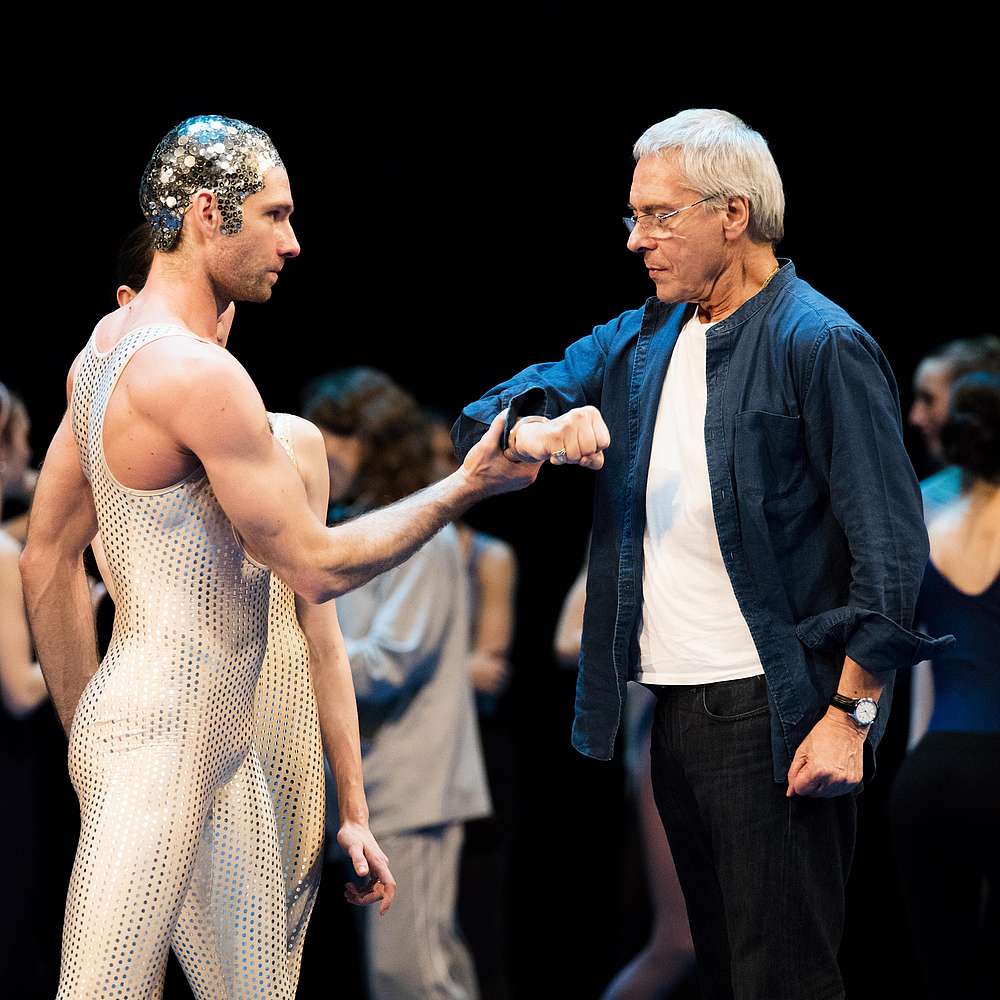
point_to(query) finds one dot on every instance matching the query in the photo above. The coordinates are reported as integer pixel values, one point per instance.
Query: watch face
(866, 711)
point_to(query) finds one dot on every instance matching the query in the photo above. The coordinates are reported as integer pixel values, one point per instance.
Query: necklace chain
(767, 280)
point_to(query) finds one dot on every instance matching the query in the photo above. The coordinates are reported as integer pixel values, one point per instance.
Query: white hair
(721, 157)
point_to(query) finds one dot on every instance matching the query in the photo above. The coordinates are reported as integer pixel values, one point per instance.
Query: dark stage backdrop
(458, 186)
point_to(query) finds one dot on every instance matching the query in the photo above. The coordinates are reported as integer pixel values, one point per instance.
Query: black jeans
(763, 876)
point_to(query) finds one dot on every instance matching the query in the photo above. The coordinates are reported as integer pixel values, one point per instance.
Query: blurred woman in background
(945, 806)
(36, 801)
(20, 676)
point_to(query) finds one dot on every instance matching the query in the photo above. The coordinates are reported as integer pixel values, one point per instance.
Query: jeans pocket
(728, 701)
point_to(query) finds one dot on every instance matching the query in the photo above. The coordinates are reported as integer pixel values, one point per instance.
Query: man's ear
(737, 218)
(204, 215)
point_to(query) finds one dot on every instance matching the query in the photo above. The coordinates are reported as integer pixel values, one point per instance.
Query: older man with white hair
(756, 554)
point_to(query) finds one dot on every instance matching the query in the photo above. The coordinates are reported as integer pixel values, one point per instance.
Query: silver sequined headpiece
(222, 155)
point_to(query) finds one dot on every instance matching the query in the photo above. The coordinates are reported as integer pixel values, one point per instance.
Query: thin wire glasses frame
(650, 221)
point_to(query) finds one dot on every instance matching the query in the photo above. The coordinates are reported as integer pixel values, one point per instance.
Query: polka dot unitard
(178, 839)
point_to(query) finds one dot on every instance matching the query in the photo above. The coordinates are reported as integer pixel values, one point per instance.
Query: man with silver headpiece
(167, 451)
(756, 552)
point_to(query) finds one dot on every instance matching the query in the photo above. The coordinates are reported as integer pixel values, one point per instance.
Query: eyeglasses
(655, 223)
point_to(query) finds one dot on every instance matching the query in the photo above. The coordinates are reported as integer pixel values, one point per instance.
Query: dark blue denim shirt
(817, 509)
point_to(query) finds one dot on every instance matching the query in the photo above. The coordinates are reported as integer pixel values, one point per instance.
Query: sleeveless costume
(178, 842)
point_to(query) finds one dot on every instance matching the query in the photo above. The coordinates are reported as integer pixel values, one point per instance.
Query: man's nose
(639, 241)
(289, 245)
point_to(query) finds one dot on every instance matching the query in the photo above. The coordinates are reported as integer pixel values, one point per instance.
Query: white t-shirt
(693, 631)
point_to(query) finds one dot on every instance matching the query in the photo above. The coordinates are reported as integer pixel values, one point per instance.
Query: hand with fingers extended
(830, 760)
(490, 470)
(578, 437)
(370, 863)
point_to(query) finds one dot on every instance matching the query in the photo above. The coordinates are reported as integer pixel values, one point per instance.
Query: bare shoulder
(185, 379)
(307, 442)
(310, 455)
(194, 362)
(945, 528)
(306, 436)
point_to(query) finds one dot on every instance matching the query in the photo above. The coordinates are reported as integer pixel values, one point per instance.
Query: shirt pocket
(770, 454)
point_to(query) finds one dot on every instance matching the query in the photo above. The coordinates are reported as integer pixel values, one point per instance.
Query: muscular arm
(20, 678)
(212, 408)
(56, 593)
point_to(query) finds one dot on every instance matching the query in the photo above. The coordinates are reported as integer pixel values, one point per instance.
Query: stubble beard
(241, 284)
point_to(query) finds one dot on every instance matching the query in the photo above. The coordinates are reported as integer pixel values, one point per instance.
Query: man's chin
(255, 295)
(667, 291)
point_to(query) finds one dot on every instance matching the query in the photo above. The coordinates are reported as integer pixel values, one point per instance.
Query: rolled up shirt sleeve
(547, 389)
(854, 438)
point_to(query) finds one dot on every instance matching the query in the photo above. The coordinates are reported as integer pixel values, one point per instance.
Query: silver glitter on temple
(223, 155)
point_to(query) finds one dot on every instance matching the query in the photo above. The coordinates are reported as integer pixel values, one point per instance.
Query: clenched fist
(578, 437)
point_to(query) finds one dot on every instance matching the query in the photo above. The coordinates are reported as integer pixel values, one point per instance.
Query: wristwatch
(864, 711)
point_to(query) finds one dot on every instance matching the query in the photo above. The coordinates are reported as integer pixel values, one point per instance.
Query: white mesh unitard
(174, 801)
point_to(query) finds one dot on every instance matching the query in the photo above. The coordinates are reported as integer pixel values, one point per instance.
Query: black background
(458, 180)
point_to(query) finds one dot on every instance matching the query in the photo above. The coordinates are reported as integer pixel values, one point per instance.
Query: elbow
(318, 589)
(31, 562)
(322, 572)
(311, 591)
(40, 556)
(314, 581)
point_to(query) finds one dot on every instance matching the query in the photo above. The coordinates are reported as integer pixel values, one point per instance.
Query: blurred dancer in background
(407, 637)
(946, 799)
(483, 895)
(932, 384)
(16, 473)
(36, 801)
(20, 676)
